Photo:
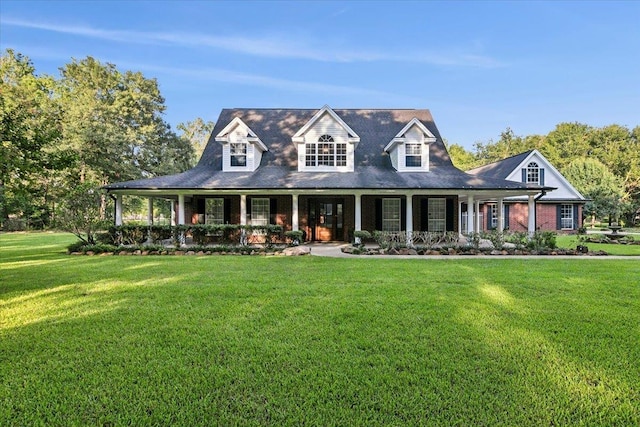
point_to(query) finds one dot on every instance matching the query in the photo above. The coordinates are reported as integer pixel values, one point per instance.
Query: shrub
(294, 236)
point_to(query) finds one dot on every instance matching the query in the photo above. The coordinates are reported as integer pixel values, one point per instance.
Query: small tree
(79, 212)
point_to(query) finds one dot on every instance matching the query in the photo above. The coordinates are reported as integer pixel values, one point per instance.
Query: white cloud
(267, 46)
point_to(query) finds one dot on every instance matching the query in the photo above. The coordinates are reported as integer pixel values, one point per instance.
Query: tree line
(603, 163)
(90, 126)
(95, 124)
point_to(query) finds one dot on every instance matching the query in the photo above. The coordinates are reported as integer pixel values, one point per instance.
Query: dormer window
(238, 153)
(413, 155)
(325, 152)
(326, 144)
(409, 149)
(242, 149)
(533, 173)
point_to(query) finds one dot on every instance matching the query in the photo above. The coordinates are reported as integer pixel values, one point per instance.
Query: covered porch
(331, 215)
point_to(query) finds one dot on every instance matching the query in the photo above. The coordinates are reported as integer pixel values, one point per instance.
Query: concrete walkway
(333, 250)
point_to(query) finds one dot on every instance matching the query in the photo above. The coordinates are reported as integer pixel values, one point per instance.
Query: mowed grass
(232, 340)
(570, 241)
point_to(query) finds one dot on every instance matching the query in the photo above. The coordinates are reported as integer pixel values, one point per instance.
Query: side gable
(552, 178)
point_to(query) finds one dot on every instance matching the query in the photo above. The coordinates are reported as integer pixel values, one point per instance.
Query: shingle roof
(502, 168)
(278, 168)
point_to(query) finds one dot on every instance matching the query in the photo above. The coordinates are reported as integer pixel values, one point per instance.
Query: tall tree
(461, 158)
(597, 183)
(114, 122)
(197, 132)
(29, 136)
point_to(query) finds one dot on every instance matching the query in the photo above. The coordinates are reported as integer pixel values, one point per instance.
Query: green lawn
(232, 340)
(571, 241)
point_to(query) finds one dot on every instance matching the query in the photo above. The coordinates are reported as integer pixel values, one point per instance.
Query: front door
(326, 219)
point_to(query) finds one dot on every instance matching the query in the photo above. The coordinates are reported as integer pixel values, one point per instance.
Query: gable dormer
(409, 149)
(241, 148)
(326, 143)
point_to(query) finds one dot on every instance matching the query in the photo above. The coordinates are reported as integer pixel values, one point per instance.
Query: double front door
(326, 219)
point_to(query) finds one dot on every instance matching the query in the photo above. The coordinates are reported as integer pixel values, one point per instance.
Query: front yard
(306, 340)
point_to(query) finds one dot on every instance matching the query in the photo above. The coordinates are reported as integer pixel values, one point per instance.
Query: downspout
(535, 208)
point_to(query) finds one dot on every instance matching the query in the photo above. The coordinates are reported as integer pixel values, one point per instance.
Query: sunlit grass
(571, 241)
(289, 341)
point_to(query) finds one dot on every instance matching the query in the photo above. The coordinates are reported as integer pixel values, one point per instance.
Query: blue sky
(480, 67)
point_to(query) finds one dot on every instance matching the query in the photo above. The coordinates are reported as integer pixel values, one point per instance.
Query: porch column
(181, 209)
(173, 212)
(150, 211)
(470, 214)
(500, 209)
(459, 216)
(358, 213)
(118, 218)
(409, 220)
(243, 209)
(477, 226)
(294, 212)
(532, 216)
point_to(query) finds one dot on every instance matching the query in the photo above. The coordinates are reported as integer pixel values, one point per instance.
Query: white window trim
(255, 203)
(533, 169)
(387, 206)
(218, 204)
(563, 218)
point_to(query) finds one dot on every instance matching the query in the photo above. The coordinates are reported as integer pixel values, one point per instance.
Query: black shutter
(200, 203)
(524, 175)
(558, 217)
(227, 210)
(450, 211)
(489, 216)
(403, 213)
(576, 219)
(379, 214)
(506, 217)
(424, 214)
(541, 176)
(273, 211)
(248, 210)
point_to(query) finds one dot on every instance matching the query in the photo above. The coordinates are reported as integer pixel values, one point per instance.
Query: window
(214, 211)
(437, 215)
(566, 217)
(326, 152)
(533, 173)
(413, 155)
(238, 153)
(494, 216)
(260, 211)
(391, 215)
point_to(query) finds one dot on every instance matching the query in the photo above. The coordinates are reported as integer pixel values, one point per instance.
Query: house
(329, 172)
(559, 210)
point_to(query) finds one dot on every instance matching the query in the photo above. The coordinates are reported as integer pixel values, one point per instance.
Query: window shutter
(541, 176)
(248, 210)
(506, 217)
(379, 214)
(524, 175)
(273, 211)
(227, 210)
(403, 213)
(558, 217)
(576, 219)
(424, 214)
(489, 216)
(201, 206)
(450, 215)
